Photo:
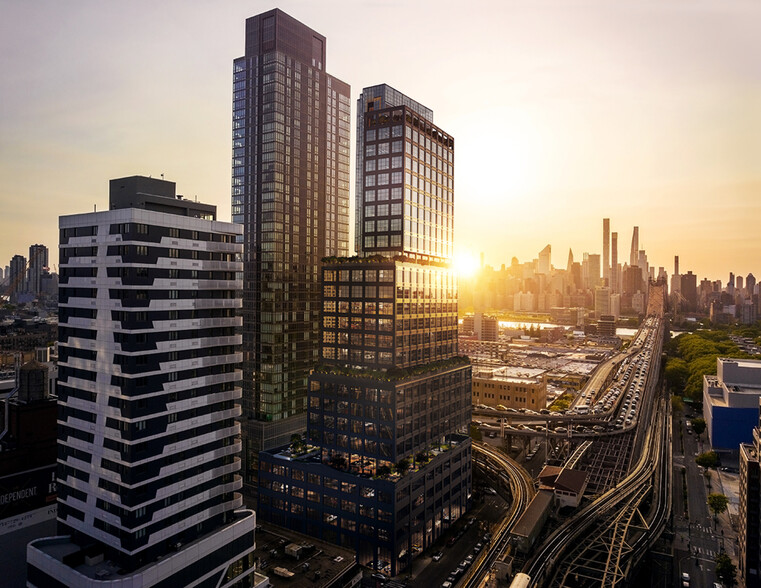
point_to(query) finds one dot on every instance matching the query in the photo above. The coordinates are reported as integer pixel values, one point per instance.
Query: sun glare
(465, 265)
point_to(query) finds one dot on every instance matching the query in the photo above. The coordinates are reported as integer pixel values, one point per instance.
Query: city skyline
(660, 129)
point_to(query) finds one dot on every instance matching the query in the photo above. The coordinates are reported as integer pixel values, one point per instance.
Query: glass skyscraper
(387, 464)
(290, 191)
(374, 98)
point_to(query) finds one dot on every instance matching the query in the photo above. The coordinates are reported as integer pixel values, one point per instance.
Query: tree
(699, 425)
(297, 443)
(475, 433)
(707, 459)
(726, 571)
(676, 374)
(718, 504)
(383, 470)
(402, 466)
(676, 404)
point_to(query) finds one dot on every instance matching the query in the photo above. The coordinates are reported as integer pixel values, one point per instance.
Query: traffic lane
(490, 512)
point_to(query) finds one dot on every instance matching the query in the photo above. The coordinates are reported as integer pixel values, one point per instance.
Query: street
(696, 543)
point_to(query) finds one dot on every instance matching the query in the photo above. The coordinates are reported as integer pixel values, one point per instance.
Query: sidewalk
(729, 485)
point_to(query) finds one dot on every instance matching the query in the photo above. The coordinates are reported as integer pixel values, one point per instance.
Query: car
(452, 540)
(437, 556)
(685, 579)
(379, 576)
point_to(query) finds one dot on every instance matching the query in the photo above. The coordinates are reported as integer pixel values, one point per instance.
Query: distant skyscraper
(17, 279)
(544, 265)
(148, 444)
(689, 291)
(614, 264)
(676, 280)
(750, 284)
(291, 125)
(634, 253)
(569, 265)
(602, 301)
(606, 250)
(593, 271)
(643, 265)
(38, 264)
(376, 98)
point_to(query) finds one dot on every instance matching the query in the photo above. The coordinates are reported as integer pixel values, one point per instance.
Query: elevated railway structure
(513, 479)
(630, 479)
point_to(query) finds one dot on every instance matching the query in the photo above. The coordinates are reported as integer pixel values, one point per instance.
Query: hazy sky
(562, 111)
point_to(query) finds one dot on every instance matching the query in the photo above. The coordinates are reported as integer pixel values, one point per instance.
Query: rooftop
(533, 514)
(325, 562)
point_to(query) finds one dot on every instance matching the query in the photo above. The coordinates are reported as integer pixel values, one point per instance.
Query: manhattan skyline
(564, 113)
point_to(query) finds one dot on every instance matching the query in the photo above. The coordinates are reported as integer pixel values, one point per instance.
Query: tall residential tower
(290, 191)
(148, 443)
(606, 251)
(389, 407)
(375, 98)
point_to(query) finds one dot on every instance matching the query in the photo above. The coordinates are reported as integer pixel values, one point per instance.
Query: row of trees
(692, 356)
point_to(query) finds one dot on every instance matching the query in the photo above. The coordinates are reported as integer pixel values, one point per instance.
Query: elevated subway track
(602, 544)
(521, 488)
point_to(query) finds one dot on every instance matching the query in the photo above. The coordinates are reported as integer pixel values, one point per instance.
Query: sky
(563, 112)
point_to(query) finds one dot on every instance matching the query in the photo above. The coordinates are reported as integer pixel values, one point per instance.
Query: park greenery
(690, 356)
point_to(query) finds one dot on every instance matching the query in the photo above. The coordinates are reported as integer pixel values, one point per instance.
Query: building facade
(148, 388)
(749, 519)
(17, 277)
(730, 402)
(388, 465)
(38, 266)
(290, 191)
(374, 98)
(508, 387)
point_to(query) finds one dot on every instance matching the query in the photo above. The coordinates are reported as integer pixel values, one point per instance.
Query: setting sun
(465, 264)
